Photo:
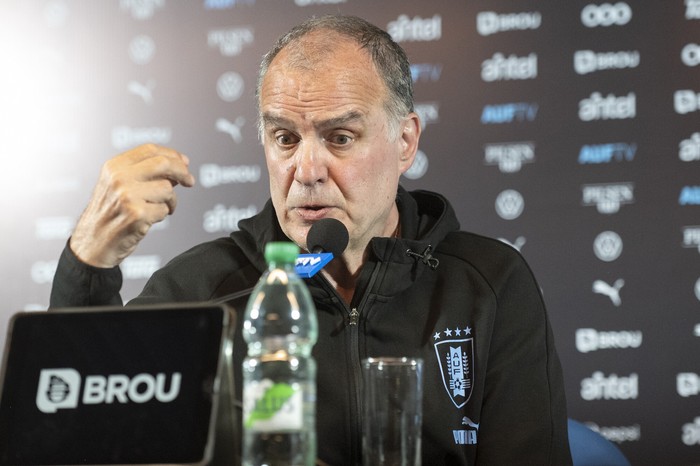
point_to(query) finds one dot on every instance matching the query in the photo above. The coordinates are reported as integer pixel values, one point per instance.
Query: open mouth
(312, 212)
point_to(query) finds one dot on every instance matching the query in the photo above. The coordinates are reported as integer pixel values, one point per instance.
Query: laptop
(110, 385)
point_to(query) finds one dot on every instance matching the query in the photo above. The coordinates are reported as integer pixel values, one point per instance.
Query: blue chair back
(589, 448)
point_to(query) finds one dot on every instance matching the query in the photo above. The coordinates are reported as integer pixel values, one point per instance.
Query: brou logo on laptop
(61, 389)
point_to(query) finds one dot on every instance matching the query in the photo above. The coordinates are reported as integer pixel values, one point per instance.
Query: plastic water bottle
(279, 373)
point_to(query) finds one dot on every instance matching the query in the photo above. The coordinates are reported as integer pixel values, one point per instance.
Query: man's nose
(310, 166)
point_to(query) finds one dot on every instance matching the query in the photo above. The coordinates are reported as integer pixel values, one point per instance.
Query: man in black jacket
(338, 129)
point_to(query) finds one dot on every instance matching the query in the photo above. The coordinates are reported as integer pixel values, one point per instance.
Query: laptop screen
(131, 385)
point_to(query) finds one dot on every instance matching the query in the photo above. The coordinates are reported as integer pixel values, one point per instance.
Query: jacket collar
(426, 218)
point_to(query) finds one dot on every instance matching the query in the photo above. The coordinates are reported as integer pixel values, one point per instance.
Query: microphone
(327, 238)
(327, 235)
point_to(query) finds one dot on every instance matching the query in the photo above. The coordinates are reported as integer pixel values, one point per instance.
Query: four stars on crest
(457, 332)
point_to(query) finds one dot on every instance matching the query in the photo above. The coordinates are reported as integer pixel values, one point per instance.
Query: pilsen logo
(455, 355)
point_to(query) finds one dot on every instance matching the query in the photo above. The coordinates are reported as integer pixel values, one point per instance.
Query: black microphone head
(327, 235)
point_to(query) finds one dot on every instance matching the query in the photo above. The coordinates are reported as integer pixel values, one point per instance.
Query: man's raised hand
(134, 191)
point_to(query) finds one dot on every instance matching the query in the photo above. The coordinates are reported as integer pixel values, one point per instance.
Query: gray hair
(388, 57)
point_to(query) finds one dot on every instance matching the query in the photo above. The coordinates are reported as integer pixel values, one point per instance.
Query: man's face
(329, 147)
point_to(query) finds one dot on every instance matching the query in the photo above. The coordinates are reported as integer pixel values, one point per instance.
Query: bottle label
(272, 407)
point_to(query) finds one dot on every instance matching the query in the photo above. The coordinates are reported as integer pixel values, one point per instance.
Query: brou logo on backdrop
(489, 22)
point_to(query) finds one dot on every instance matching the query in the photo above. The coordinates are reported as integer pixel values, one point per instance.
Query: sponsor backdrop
(570, 130)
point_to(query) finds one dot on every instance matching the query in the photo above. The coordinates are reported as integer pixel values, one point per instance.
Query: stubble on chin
(294, 229)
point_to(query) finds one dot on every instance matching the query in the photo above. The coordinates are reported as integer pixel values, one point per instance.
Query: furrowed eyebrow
(271, 120)
(349, 117)
(342, 120)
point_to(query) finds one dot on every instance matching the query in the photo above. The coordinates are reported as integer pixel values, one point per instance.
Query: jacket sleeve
(524, 417)
(77, 284)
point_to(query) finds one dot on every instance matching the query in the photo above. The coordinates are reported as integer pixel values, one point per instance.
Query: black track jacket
(466, 304)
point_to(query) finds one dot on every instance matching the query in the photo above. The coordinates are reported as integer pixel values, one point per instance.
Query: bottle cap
(282, 252)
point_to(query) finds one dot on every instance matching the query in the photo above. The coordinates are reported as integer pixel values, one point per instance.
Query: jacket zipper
(354, 316)
(356, 381)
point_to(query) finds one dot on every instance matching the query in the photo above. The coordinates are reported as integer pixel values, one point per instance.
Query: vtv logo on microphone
(61, 389)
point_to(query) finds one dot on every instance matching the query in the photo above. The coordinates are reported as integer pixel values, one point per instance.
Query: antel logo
(418, 29)
(689, 149)
(61, 389)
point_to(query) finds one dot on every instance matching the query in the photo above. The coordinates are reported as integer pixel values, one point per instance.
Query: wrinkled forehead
(317, 47)
(324, 55)
(318, 78)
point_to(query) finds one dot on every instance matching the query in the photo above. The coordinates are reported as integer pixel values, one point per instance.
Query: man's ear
(410, 135)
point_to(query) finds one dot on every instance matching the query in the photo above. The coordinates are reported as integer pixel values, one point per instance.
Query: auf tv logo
(509, 113)
(607, 153)
(61, 389)
(690, 195)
